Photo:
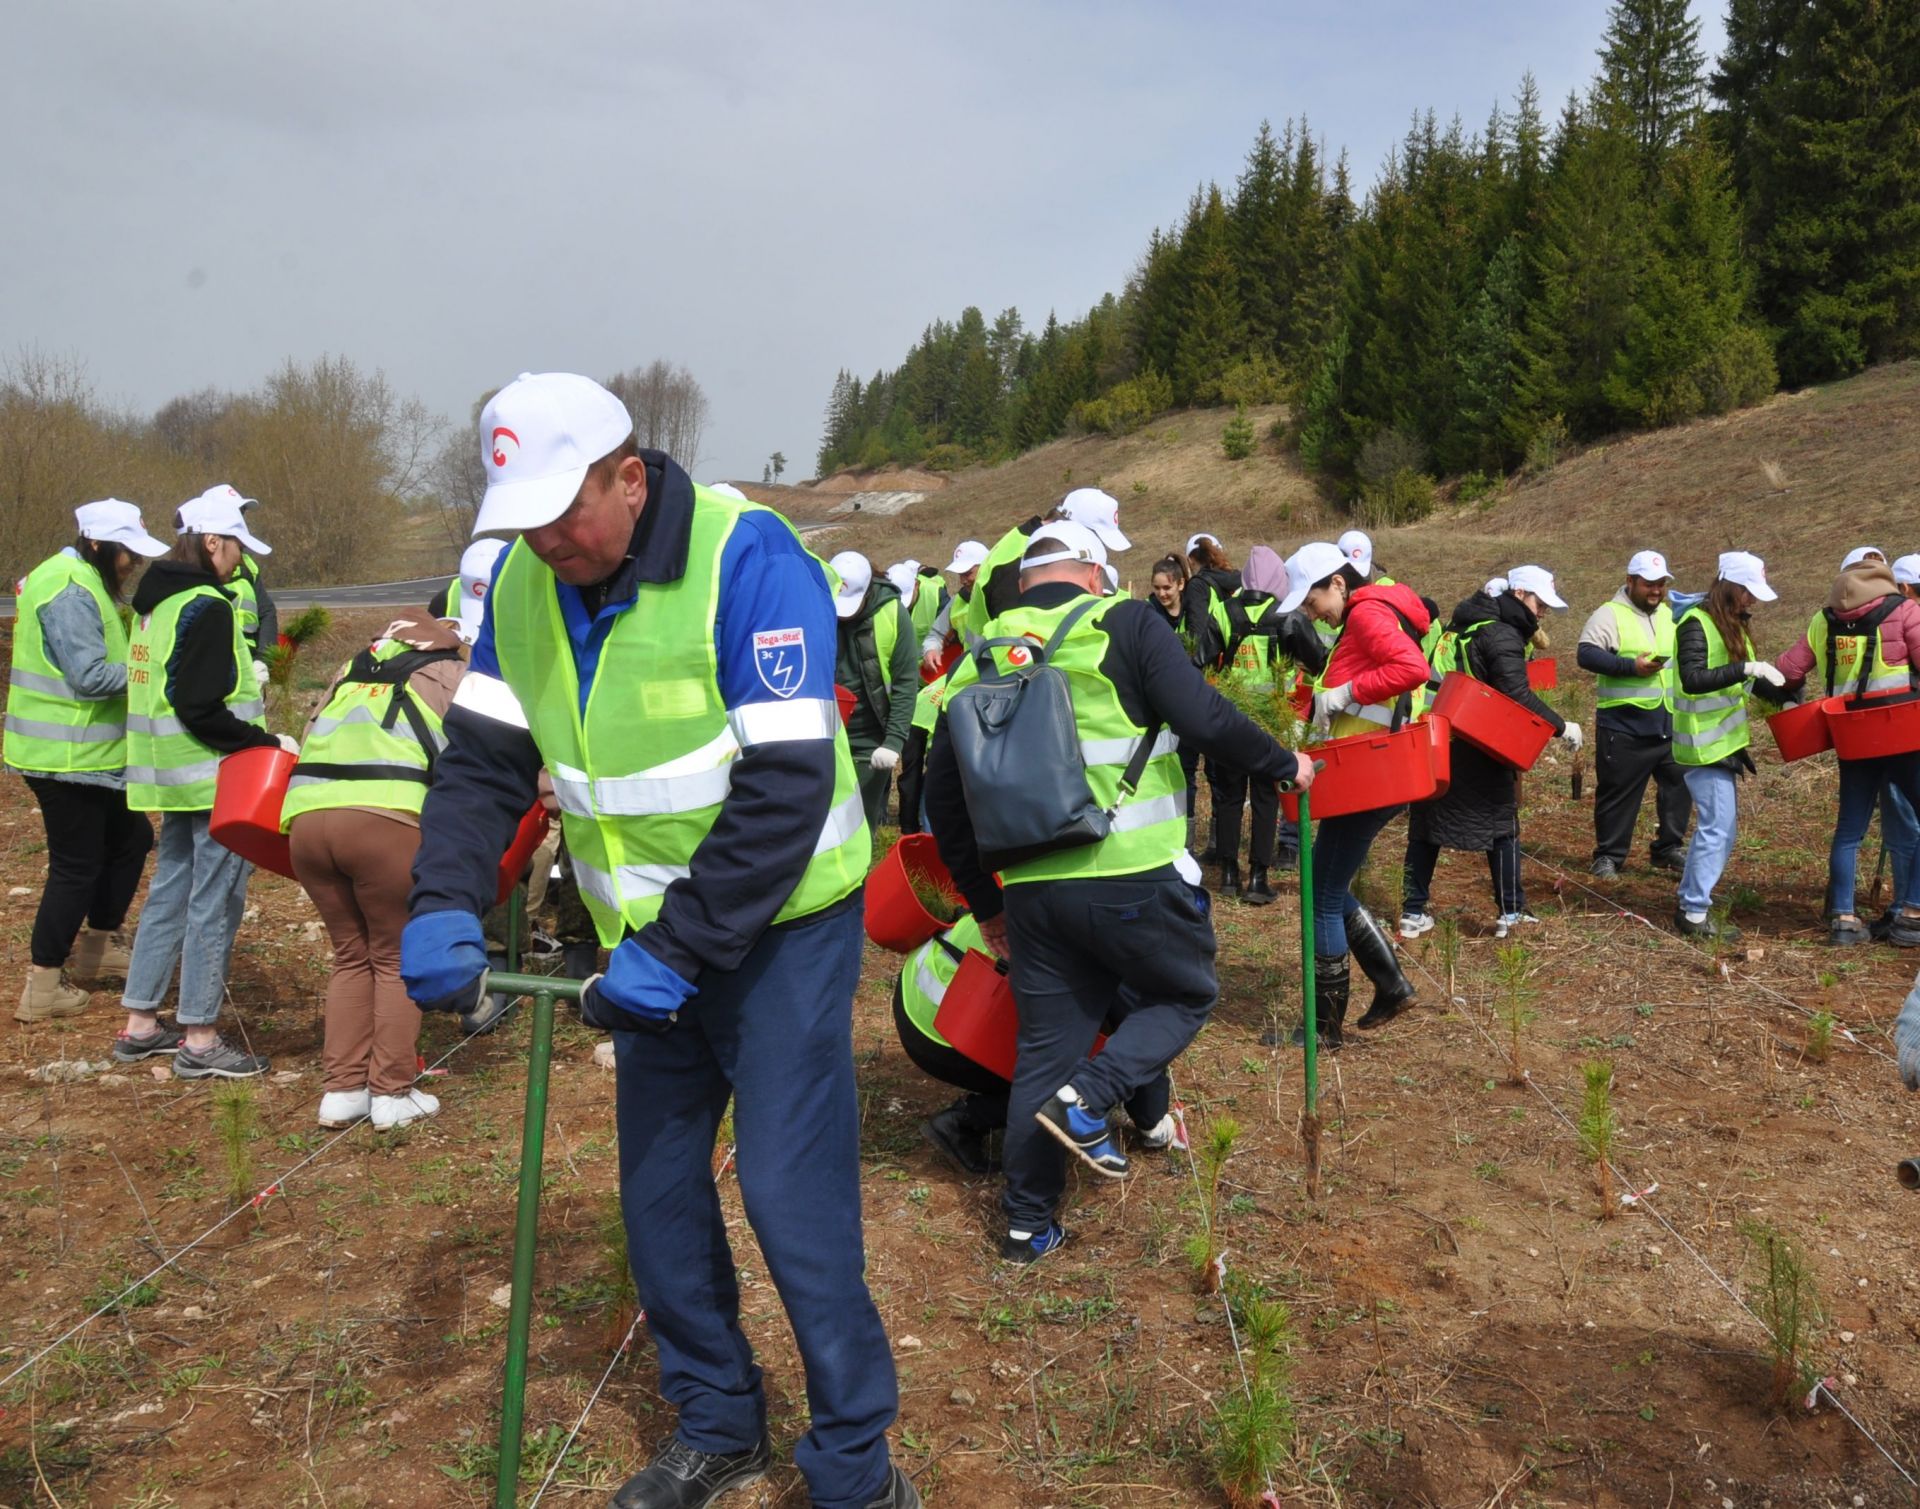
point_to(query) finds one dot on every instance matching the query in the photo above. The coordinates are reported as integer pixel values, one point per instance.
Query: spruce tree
(1650, 78)
(1210, 327)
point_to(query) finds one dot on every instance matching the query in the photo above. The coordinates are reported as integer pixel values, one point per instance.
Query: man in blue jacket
(667, 654)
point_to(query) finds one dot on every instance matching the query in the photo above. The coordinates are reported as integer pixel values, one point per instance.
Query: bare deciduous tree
(668, 406)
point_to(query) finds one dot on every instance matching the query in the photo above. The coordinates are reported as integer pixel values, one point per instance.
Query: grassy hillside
(1798, 479)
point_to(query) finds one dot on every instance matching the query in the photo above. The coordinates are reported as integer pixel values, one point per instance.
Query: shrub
(1237, 439)
(1253, 379)
(1126, 406)
(1475, 487)
(1738, 372)
(1544, 446)
(1404, 498)
(1387, 453)
(946, 458)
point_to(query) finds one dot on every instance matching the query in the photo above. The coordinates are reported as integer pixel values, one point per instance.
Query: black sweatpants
(1133, 951)
(1623, 763)
(1233, 790)
(1503, 870)
(986, 1091)
(96, 850)
(913, 780)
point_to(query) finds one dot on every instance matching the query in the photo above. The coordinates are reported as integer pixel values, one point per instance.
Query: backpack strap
(395, 671)
(1865, 627)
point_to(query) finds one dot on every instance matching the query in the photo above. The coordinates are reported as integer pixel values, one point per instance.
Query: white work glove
(1906, 1038)
(1575, 739)
(261, 675)
(290, 744)
(1330, 703)
(1764, 670)
(884, 758)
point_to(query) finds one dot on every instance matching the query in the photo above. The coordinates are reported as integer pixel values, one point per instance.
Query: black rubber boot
(1229, 883)
(1258, 892)
(1373, 952)
(1331, 977)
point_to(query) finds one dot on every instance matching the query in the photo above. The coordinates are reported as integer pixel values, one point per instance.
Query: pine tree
(1258, 223)
(1488, 355)
(1211, 333)
(1650, 79)
(1758, 32)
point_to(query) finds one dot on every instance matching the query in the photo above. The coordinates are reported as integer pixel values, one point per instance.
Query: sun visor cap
(539, 435)
(1309, 564)
(1745, 569)
(218, 511)
(119, 523)
(1537, 580)
(1098, 511)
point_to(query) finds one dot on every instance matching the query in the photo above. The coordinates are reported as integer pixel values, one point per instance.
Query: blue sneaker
(1085, 1134)
(1031, 1246)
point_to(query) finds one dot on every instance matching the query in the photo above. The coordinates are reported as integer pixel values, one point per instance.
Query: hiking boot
(1509, 923)
(162, 1042)
(390, 1111)
(1373, 952)
(1845, 932)
(1229, 882)
(1606, 867)
(218, 1060)
(1083, 1132)
(959, 1141)
(580, 961)
(1415, 925)
(99, 954)
(1673, 864)
(681, 1478)
(1031, 1246)
(1258, 892)
(899, 1494)
(46, 997)
(1904, 931)
(1332, 981)
(1706, 927)
(342, 1108)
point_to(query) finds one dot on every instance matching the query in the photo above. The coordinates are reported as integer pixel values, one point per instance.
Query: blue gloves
(443, 958)
(637, 993)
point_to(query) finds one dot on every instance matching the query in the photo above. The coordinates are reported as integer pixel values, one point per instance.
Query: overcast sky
(458, 192)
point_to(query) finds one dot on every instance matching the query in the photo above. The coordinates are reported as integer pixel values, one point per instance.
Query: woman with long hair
(1168, 583)
(67, 736)
(191, 699)
(1714, 647)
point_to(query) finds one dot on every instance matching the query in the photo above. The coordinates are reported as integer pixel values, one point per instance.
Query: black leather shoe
(1673, 864)
(682, 1478)
(1258, 891)
(959, 1141)
(900, 1493)
(1229, 883)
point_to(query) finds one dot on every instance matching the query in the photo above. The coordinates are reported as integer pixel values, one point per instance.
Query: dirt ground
(1467, 1330)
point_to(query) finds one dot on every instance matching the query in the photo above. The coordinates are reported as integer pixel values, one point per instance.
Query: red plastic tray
(1367, 771)
(1801, 731)
(1878, 726)
(246, 807)
(1543, 675)
(1492, 722)
(947, 657)
(895, 917)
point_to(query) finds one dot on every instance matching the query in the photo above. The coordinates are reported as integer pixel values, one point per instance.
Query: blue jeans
(1890, 783)
(777, 1035)
(1716, 825)
(1900, 831)
(193, 910)
(1340, 846)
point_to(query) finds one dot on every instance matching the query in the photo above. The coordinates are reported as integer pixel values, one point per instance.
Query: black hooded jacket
(201, 672)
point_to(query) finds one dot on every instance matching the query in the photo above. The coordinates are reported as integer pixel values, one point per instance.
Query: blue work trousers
(1340, 846)
(776, 1034)
(1887, 782)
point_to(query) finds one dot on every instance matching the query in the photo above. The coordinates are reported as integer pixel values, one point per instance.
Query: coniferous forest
(1682, 240)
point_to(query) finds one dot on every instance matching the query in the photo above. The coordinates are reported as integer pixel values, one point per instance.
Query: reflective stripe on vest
(49, 727)
(1843, 679)
(168, 769)
(640, 773)
(1637, 637)
(362, 751)
(246, 601)
(1712, 727)
(930, 970)
(1149, 827)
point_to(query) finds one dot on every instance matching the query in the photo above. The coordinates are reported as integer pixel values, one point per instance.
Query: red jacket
(1375, 653)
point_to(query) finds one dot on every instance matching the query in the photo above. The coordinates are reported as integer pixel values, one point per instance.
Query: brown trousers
(358, 867)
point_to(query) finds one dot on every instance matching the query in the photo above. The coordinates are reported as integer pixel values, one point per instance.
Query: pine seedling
(1513, 976)
(934, 898)
(1597, 1127)
(1820, 1037)
(1446, 940)
(1788, 1303)
(1253, 1427)
(1203, 1247)
(236, 1122)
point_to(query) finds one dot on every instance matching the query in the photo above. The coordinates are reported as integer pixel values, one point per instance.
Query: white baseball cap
(221, 492)
(113, 520)
(1099, 511)
(1906, 571)
(1357, 548)
(1649, 566)
(726, 490)
(1078, 542)
(903, 575)
(966, 555)
(1859, 553)
(1496, 586)
(1537, 580)
(1211, 539)
(476, 575)
(539, 435)
(1309, 564)
(218, 511)
(856, 575)
(1745, 569)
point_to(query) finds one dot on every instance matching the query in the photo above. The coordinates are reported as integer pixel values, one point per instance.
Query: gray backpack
(1018, 749)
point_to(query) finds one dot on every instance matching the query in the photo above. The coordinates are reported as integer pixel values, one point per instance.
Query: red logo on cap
(499, 454)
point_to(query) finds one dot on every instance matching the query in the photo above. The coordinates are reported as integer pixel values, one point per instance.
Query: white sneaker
(1413, 924)
(342, 1108)
(390, 1111)
(1513, 920)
